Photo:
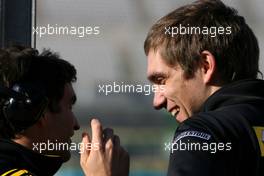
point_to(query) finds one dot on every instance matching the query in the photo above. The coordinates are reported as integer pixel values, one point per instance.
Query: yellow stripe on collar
(16, 172)
(8, 172)
(20, 172)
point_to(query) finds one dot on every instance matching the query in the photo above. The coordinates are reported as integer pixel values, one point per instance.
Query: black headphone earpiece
(23, 105)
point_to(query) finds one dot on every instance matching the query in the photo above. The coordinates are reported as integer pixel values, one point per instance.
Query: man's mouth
(175, 111)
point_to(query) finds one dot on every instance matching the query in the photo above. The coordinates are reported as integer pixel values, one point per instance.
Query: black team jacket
(16, 160)
(226, 138)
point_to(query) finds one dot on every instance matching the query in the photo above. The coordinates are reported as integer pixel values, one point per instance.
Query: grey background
(116, 54)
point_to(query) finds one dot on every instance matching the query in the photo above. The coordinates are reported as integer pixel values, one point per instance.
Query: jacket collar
(17, 155)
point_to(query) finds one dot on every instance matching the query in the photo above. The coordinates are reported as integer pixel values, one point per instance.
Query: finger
(116, 141)
(117, 147)
(109, 147)
(85, 142)
(108, 133)
(83, 150)
(96, 132)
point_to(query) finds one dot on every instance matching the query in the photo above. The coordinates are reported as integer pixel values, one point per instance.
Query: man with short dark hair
(36, 110)
(206, 58)
(36, 117)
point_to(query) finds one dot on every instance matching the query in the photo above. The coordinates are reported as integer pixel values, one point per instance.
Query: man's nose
(159, 100)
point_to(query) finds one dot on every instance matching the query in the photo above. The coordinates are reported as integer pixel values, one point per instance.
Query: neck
(213, 90)
(24, 141)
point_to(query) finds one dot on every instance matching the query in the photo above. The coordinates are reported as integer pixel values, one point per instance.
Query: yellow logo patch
(260, 135)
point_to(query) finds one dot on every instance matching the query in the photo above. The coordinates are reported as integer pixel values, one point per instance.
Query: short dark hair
(236, 54)
(25, 65)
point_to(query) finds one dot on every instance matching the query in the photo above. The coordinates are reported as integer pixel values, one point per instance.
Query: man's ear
(43, 120)
(208, 66)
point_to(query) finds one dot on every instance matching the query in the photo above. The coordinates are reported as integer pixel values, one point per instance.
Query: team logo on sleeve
(197, 134)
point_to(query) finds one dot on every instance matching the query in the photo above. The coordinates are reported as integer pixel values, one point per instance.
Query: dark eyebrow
(153, 77)
(73, 99)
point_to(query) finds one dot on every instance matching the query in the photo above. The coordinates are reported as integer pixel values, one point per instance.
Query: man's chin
(64, 155)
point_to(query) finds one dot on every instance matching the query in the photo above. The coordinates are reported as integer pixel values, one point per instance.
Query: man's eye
(160, 80)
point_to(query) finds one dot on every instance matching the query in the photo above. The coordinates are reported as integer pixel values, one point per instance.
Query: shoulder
(212, 141)
(201, 135)
(197, 149)
(226, 124)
